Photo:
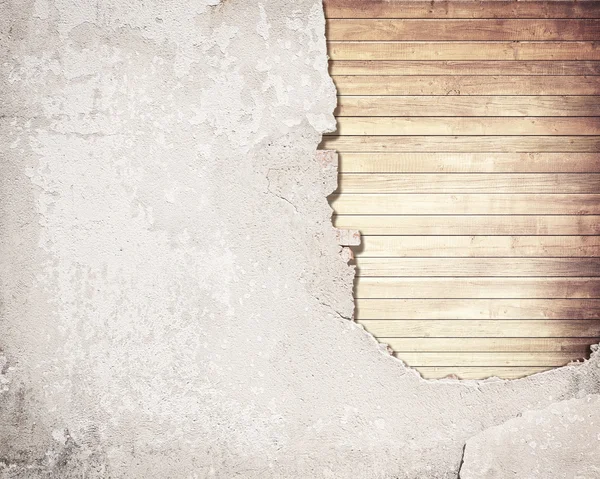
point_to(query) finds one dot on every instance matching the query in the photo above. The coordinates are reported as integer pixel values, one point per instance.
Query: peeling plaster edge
(329, 160)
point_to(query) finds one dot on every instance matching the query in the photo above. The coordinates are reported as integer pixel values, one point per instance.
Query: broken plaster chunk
(347, 254)
(348, 237)
(561, 441)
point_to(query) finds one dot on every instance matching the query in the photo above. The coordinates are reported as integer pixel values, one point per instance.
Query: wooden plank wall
(469, 140)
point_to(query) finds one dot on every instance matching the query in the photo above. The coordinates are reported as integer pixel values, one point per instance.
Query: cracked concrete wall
(174, 301)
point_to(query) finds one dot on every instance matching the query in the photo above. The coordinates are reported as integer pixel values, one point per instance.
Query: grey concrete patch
(561, 441)
(174, 297)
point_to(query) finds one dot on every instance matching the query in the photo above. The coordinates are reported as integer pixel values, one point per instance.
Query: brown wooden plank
(480, 372)
(463, 50)
(461, 126)
(477, 288)
(469, 162)
(460, 9)
(580, 346)
(522, 309)
(470, 225)
(467, 67)
(465, 106)
(462, 144)
(463, 29)
(469, 183)
(466, 85)
(489, 267)
(478, 246)
(482, 329)
(426, 358)
(465, 204)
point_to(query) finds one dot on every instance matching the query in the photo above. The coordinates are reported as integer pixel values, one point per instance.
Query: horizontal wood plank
(483, 329)
(466, 67)
(465, 204)
(581, 346)
(470, 225)
(477, 288)
(469, 183)
(471, 267)
(460, 9)
(461, 126)
(478, 246)
(463, 106)
(469, 162)
(532, 358)
(466, 85)
(462, 144)
(349, 50)
(463, 29)
(480, 372)
(521, 309)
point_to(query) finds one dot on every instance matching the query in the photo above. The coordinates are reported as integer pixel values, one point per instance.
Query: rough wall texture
(174, 302)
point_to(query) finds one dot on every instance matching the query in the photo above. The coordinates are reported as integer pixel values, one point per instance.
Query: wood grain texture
(465, 204)
(580, 346)
(466, 85)
(462, 144)
(349, 50)
(528, 225)
(436, 162)
(469, 183)
(462, 106)
(484, 329)
(471, 267)
(463, 29)
(478, 287)
(466, 67)
(469, 148)
(460, 9)
(478, 246)
(518, 309)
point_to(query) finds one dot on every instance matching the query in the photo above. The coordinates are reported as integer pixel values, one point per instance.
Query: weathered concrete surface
(174, 302)
(561, 442)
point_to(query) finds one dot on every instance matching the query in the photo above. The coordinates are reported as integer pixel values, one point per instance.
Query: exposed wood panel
(479, 246)
(520, 309)
(454, 67)
(464, 50)
(469, 141)
(479, 372)
(461, 106)
(465, 204)
(483, 329)
(494, 126)
(463, 144)
(466, 85)
(463, 29)
(469, 183)
(470, 225)
(498, 267)
(480, 287)
(532, 358)
(469, 162)
(460, 9)
(581, 346)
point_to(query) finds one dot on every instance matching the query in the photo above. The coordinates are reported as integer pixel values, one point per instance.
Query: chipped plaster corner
(560, 441)
(174, 300)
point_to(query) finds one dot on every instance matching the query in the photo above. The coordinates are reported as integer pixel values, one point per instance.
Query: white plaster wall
(174, 303)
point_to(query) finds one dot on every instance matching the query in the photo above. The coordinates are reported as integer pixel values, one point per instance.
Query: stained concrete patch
(559, 442)
(175, 302)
